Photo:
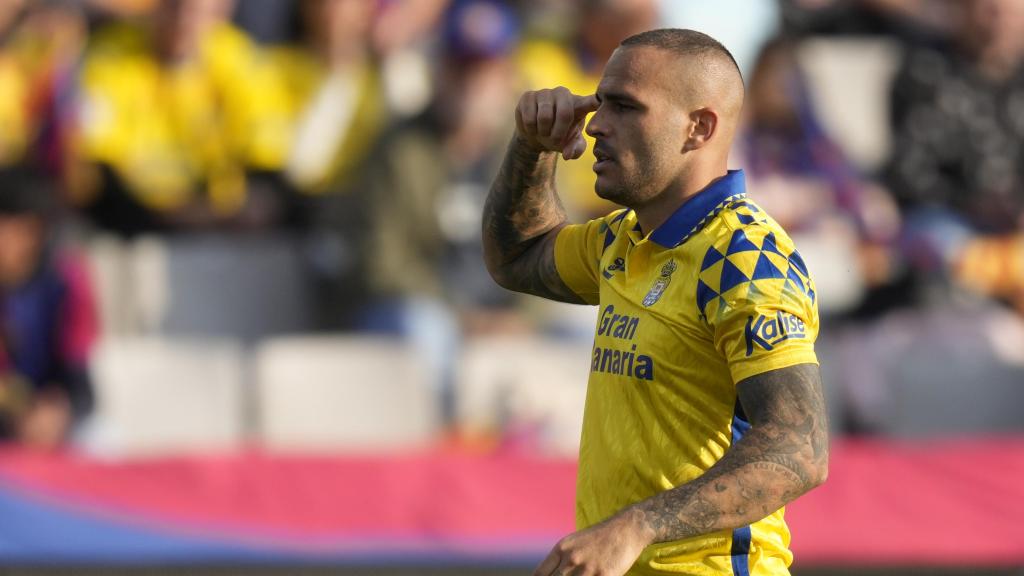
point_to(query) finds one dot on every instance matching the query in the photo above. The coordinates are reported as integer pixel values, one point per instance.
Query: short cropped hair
(681, 41)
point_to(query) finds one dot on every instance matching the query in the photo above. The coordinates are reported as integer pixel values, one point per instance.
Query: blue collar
(694, 213)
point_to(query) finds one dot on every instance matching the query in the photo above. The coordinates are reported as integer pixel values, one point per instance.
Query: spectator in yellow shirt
(174, 115)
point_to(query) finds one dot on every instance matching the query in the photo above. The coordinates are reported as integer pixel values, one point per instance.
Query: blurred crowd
(371, 129)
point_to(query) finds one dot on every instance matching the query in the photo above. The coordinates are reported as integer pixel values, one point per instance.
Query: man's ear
(702, 127)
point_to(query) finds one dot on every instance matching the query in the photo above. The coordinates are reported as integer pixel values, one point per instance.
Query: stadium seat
(343, 393)
(158, 396)
(936, 372)
(246, 287)
(109, 269)
(524, 384)
(150, 282)
(948, 379)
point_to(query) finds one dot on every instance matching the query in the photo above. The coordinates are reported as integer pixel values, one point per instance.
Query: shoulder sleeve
(758, 299)
(578, 250)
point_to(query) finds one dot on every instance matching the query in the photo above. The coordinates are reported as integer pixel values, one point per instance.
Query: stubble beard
(617, 193)
(631, 190)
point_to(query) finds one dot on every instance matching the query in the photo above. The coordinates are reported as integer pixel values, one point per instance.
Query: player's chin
(608, 189)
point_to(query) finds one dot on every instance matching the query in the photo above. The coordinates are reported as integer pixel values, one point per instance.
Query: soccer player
(704, 412)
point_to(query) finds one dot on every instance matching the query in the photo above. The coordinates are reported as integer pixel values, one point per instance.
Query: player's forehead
(635, 71)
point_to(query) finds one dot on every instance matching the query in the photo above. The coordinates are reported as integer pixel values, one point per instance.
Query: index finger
(583, 105)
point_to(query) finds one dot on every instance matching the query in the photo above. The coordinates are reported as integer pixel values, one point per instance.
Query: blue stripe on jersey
(741, 536)
(740, 425)
(609, 237)
(741, 551)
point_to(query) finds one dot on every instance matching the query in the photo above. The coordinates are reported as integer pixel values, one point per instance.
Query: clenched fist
(552, 120)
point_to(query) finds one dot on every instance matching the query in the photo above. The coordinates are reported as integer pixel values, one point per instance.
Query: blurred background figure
(423, 186)
(845, 223)
(341, 111)
(339, 93)
(47, 318)
(958, 163)
(177, 111)
(358, 68)
(338, 110)
(954, 163)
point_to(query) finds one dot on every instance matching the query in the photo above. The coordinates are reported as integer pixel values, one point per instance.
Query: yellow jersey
(716, 294)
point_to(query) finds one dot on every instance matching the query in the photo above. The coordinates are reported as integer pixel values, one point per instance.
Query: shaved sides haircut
(683, 42)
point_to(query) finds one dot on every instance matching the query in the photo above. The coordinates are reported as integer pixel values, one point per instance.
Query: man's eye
(623, 106)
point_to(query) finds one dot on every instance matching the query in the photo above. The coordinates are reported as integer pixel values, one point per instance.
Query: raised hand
(551, 120)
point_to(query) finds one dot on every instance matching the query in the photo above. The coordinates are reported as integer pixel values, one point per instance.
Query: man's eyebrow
(615, 97)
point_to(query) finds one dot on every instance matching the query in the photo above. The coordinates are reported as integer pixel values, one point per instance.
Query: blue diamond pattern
(765, 269)
(796, 260)
(740, 243)
(769, 244)
(795, 277)
(731, 277)
(710, 258)
(704, 295)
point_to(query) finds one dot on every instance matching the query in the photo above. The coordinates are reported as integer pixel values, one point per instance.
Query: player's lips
(604, 157)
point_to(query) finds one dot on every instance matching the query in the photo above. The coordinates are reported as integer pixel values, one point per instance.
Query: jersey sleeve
(757, 297)
(578, 250)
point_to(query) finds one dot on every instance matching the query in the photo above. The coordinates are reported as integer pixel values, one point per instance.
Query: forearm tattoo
(782, 456)
(521, 215)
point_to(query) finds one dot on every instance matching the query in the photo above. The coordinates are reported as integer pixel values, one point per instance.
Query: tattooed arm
(783, 455)
(523, 214)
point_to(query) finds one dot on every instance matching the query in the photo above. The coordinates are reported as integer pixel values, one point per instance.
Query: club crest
(659, 286)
